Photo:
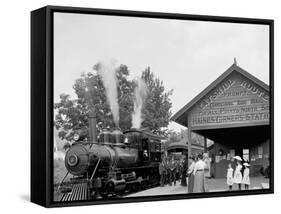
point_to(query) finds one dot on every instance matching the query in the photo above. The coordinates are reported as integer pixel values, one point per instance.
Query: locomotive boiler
(113, 162)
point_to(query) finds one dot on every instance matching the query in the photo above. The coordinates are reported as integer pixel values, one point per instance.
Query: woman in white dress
(246, 176)
(207, 161)
(237, 173)
(229, 177)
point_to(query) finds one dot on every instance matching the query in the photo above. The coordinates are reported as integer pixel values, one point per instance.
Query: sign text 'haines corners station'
(236, 100)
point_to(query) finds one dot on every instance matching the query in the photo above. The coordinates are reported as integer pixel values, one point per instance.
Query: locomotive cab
(148, 145)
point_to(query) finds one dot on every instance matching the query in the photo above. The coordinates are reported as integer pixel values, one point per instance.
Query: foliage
(157, 109)
(72, 114)
(174, 136)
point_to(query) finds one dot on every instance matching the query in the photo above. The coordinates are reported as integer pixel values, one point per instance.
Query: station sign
(236, 101)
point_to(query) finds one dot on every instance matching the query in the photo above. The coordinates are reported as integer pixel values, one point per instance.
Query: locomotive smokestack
(93, 126)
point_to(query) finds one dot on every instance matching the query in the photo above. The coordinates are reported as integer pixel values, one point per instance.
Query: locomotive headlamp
(76, 137)
(72, 160)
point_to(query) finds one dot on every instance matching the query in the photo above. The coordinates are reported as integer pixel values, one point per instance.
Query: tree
(157, 109)
(173, 136)
(72, 114)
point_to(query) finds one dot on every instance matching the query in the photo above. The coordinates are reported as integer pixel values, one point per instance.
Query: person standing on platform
(246, 176)
(207, 169)
(199, 175)
(229, 176)
(172, 171)
(237, 173)
(162, 173)
(166, 179)
(191, 175)
(184, 171)
(178, 169)
(169, 173)
(207, 161)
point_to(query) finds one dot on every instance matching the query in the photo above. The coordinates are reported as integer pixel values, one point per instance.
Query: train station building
(234, 113)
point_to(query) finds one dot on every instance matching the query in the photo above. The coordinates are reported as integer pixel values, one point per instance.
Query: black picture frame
(42, 102)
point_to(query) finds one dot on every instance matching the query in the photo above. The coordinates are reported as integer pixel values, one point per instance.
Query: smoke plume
(107, 72)
(140, 94)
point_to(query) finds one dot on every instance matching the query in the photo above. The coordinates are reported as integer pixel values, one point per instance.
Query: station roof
(181, 116)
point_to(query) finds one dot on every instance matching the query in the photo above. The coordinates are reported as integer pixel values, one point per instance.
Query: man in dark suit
(162, 173)
(172, 171)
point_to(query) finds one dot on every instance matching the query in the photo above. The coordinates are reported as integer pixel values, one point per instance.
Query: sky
(186, 55)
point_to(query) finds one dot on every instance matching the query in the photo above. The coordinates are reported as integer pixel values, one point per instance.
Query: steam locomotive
(112, 163)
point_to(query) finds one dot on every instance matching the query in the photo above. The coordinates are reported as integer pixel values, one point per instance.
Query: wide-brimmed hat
(246, 164)
(237, 158)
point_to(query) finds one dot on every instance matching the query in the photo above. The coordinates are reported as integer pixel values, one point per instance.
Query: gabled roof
(181, 116)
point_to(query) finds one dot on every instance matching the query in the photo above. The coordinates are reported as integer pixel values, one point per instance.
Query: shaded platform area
(215, 185)
(250, 143)
(239, 137)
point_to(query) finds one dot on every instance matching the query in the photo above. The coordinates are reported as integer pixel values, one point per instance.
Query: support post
(205, 144)
(189, 142)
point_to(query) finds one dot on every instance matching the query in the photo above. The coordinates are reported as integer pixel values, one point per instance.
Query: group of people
(198, 172)
(171, 170)
(240, 176)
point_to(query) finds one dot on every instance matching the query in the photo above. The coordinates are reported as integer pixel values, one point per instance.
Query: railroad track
(80, 193)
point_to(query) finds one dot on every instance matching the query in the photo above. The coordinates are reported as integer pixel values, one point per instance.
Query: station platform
(214, 185)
